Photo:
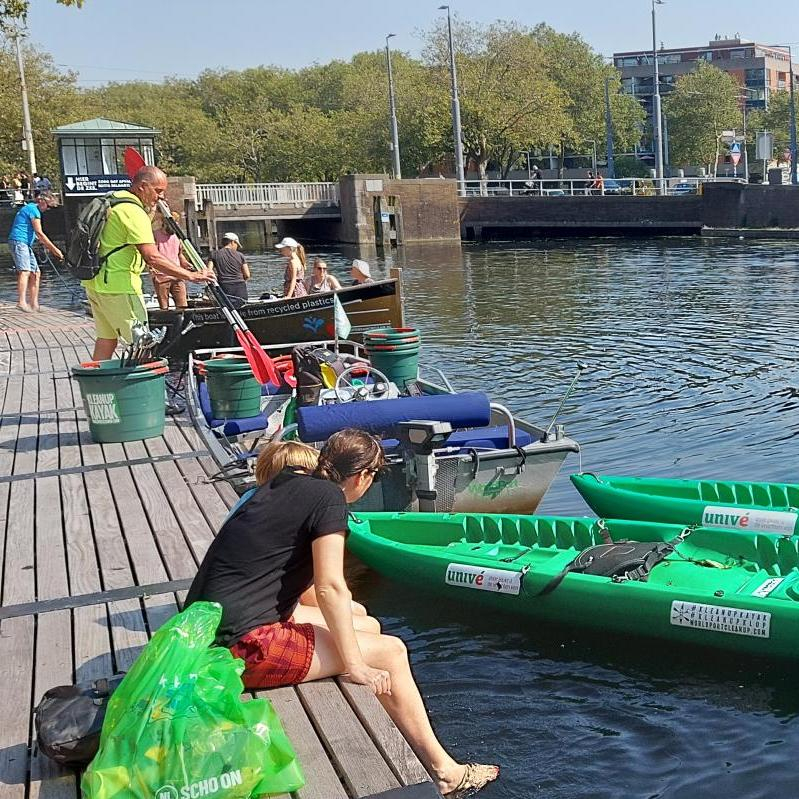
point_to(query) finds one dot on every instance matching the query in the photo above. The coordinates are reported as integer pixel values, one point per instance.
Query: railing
(587, 187)
(267, 194)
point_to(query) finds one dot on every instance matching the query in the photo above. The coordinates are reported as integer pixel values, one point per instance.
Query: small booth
(91, 155)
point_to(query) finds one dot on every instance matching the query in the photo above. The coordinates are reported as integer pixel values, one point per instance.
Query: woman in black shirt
(288, 536)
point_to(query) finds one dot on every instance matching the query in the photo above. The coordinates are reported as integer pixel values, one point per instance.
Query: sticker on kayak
(497, 580)
(767, 586)
(720, 619)
(761, 521)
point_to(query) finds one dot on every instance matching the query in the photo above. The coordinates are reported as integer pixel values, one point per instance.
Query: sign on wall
(94, 184)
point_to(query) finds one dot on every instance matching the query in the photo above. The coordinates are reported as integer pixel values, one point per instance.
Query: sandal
(475, 778)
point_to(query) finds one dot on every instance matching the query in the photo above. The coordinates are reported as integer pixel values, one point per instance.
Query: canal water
(690, 348)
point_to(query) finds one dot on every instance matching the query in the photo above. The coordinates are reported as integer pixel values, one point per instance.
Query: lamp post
(593, 154)
(392, 108)
(27, 130)
(456, 107)
(657, 124)
(609, 131)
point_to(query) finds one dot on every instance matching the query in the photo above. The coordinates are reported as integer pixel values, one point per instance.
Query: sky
(118, 40)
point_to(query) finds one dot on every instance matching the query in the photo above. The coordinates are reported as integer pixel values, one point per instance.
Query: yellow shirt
(127, 224)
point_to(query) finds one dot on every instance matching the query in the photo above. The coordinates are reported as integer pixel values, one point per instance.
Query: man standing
(127, 245)
(231, 270)
(25, 230)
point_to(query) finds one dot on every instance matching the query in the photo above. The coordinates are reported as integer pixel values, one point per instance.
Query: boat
(735, 504)
(721, 589)
(446, 450)
(278, 321)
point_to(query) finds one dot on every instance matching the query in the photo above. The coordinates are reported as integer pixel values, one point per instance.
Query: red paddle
(261, 364)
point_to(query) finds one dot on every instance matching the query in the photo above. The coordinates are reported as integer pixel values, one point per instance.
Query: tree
(580, 73)
(17, 10)
(702, 105)
(777, 119)
(508, 102)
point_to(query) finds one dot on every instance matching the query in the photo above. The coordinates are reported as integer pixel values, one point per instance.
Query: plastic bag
(177, 728)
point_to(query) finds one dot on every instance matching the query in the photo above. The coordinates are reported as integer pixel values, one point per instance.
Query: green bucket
(399, 364)
(232, 390)
(391, 335)
(122, 404)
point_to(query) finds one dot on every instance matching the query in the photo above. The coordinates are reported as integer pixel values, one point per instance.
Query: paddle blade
(261, 364)
(133, 161)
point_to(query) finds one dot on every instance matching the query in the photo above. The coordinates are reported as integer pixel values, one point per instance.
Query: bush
(628, 166)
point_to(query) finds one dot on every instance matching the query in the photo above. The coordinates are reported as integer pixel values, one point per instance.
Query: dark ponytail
(348, 452)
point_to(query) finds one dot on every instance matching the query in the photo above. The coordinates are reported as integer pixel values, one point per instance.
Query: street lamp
(27, 130)
(657, 124)
(456, 107)
(593, 154)
(392, 108)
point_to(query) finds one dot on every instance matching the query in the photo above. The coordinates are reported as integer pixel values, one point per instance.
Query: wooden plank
(322, 782)
(53, 666)
(358, 760)
(16, 655)
(388, 739)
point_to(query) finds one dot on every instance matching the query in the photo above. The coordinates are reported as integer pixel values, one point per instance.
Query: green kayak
(710, 588)
(739, 505)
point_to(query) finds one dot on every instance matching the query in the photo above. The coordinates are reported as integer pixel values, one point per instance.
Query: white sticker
(765, 588)
(102, 408)
(497, 580)
(761, 521)
(721, 619)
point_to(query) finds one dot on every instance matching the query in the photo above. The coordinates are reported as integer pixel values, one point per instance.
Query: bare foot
(24, 307)
(36, 307)
(473, 778)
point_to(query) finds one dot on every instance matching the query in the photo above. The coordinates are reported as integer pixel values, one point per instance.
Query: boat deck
(99, 543)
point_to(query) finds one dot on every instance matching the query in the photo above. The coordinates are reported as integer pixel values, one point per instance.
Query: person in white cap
(294, 277)
(231, 269)
(361, 273)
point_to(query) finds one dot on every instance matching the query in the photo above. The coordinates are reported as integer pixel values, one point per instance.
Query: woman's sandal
(475, 778)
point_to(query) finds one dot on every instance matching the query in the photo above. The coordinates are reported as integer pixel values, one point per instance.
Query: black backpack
(69, 719)
(82, 257)
(308, 362)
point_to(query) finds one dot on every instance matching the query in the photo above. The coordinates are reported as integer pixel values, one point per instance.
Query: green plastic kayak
(740, 505)
(716, 588)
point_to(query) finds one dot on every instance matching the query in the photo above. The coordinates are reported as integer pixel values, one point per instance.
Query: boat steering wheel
(348, 388)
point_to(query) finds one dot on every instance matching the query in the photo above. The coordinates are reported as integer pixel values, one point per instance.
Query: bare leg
(404, 704)
(33, 290)
(308, 614)
(104, 349)
(22, 289)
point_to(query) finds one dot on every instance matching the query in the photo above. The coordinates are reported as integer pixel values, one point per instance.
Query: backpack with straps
(82, 256)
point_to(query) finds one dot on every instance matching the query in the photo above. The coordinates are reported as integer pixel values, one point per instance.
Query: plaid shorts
(276, 654)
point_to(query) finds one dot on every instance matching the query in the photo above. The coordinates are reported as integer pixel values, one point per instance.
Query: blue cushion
(319, 422)
(487, 437)
(232, 427)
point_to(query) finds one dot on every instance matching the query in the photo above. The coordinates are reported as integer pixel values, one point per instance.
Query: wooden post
(398, 305)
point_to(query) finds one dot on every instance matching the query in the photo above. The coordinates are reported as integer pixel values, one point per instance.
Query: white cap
(362, 267)
(231, 237)
(287, 242)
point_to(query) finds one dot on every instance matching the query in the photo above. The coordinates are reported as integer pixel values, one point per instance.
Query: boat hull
(751, 608)
(748, 506)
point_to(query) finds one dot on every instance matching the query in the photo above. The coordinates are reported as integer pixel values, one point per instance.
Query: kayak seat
(230, 427)
(487, 438)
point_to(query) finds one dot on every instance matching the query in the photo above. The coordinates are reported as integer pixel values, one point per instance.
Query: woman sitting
(287, 537)
(320, 280)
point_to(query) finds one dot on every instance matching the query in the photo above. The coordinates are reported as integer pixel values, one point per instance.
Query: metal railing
(586, 187)
(267, 194)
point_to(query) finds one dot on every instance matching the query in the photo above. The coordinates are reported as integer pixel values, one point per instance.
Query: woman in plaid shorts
(286, 542)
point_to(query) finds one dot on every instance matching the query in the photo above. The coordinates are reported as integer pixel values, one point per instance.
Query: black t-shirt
(227, 264)
(262, 561)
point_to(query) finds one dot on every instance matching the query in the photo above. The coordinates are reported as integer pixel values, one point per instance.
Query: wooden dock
(99, 543)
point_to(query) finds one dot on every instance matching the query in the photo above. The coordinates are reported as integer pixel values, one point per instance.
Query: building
(760, 70)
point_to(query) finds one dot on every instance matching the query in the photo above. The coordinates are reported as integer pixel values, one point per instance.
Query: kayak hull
(742, 505)
(748, 602)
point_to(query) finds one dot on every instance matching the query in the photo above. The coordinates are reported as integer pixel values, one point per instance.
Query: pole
(656, 118)
(746, 148)
(27, 131)
(794, 179)
(456, 107)
(392, 108)
(593, 153)
(609, 131)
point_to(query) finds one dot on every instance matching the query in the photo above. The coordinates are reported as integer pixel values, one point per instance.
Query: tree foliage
(703, 104)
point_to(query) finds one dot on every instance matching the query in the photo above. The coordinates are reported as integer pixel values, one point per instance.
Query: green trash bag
(177, 728)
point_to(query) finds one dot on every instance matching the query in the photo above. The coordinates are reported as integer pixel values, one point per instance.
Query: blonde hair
(300, 250)
(277, 455)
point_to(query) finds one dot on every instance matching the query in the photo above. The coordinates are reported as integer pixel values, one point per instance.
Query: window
(669, 58)
(106, 156)
(755, 77)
